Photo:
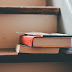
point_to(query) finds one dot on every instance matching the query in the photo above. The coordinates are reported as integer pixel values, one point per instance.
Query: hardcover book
(36, 41)
(26, 49)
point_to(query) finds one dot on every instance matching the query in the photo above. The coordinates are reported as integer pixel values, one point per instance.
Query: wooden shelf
(30, 10)
(7, 51)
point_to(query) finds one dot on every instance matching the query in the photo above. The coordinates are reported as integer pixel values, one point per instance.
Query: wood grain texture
(8, 51)
(22, 2)
(29, 10)
(12, 23)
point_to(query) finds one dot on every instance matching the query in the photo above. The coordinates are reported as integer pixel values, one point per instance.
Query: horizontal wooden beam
(30, 10)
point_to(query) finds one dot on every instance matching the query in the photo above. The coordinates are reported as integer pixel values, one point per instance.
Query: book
(35, 41)
(48, 34)
(41, 34)
(26, 49)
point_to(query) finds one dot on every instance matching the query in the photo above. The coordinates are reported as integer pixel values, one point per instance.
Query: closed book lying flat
(47, 34)
(25, 49)
(59, 42)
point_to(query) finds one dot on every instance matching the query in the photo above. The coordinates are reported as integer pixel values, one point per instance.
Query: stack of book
(43, 43)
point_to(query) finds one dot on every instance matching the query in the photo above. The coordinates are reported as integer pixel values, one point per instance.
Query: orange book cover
(27, 40)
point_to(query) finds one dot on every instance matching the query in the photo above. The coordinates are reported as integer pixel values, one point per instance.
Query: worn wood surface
(29, 10)
(8, 51)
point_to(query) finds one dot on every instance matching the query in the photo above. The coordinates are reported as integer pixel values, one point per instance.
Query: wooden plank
(29, 10)
(8, 51)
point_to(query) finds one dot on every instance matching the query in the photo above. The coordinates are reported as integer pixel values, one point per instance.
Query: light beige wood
(24, 49)
(22, 2)
(10, 24)
(50, 66)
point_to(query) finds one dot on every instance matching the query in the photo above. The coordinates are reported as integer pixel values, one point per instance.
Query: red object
(27, 40)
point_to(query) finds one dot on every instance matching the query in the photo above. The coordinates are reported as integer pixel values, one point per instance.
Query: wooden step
(29, 10)
(8, 51)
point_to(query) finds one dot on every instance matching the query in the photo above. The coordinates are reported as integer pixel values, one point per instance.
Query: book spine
(27, 40)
